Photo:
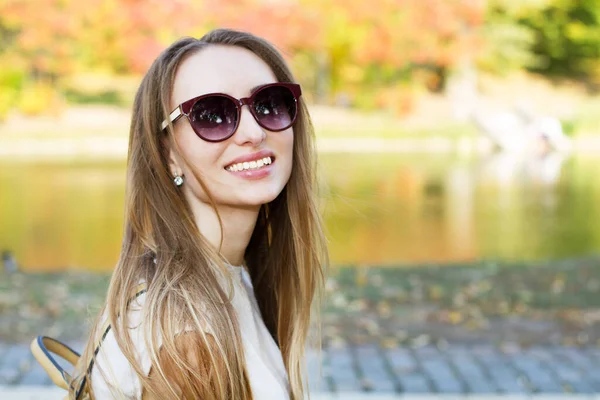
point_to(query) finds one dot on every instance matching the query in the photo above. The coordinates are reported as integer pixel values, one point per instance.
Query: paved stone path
(455, 370)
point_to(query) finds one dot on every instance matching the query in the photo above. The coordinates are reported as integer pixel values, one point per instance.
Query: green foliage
(508, 42)
(106, 97)
(11, 78)
(508, 46)
(569, 126)
(100, 88)
(38, 98)
(11, 82)
(7, 99)
(567, 38)
(585, 121)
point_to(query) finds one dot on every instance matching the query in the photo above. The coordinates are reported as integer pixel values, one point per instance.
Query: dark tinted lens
(214, 117)
(275, 107)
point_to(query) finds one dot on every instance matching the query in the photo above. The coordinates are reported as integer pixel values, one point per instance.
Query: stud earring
(178, 180)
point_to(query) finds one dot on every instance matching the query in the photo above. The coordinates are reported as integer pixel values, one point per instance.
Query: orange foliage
(57, 37)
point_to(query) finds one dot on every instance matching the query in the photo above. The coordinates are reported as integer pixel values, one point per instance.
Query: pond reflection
(396, 210)
(383, 209)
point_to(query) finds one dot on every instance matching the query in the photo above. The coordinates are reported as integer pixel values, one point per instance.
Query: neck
(238, 225)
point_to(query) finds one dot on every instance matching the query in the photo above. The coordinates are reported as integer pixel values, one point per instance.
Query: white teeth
(250, 165)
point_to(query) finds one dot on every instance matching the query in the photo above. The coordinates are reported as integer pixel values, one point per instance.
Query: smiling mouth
(251, 165)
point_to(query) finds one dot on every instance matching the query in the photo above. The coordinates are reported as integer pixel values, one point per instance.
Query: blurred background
(458, 143)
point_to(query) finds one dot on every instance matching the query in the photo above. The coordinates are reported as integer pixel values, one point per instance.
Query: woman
(222, 229)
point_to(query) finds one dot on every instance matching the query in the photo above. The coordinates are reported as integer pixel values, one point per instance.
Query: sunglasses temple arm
(173, 117)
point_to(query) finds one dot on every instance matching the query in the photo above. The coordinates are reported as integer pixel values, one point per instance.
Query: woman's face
(234, 71)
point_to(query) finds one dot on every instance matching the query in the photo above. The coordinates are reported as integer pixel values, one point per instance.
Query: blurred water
(379, 209)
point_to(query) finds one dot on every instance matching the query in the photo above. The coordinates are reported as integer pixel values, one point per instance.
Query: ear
(172, 157)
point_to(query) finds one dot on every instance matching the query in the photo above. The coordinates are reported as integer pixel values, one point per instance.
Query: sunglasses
(215, 117)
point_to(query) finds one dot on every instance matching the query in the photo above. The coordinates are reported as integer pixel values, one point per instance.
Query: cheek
(283, 141)
(287, 150)
(200, 156)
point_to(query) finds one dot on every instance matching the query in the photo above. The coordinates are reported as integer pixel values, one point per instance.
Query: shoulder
(112, 371)
(246, 278)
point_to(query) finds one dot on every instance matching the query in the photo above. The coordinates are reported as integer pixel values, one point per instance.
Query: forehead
(220, 69)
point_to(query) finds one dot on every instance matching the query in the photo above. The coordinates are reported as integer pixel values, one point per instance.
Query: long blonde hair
(286, 268)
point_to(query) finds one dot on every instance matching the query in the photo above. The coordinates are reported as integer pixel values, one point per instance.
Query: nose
(248, 130)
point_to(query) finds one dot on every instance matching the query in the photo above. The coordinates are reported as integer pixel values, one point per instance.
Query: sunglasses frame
(186, 107)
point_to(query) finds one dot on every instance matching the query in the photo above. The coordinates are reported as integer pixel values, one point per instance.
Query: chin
(257, 197)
